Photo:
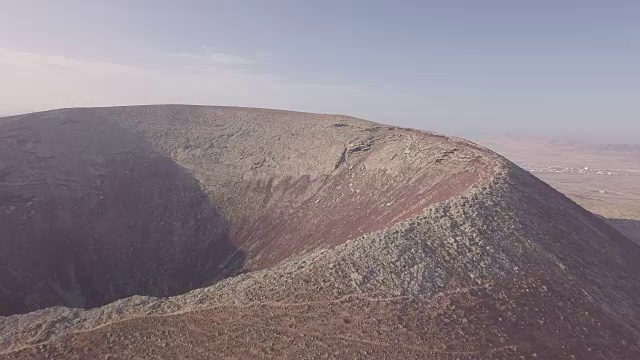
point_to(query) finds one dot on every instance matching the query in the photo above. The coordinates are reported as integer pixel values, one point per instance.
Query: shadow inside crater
(91, 213)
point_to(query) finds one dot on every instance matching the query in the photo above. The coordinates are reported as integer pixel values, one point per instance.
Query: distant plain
(581, 171)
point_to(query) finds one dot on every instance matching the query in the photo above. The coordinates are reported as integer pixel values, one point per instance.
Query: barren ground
(214, 232)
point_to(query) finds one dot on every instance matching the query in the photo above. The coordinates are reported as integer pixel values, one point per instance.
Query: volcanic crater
(293, 235)
(104, 203)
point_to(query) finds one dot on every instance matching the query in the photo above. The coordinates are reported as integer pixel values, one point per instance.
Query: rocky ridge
(486, 262)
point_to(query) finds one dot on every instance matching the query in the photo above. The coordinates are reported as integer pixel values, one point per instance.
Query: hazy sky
(458, 67)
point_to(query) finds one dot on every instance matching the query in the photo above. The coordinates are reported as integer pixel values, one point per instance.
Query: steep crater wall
(100, 204)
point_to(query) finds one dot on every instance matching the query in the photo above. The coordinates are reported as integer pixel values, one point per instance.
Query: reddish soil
(300, 236)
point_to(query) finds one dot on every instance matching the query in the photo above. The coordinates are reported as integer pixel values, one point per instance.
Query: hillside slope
(319, 235)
